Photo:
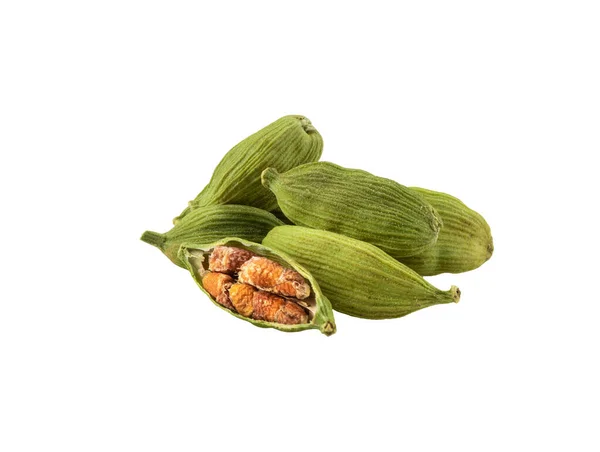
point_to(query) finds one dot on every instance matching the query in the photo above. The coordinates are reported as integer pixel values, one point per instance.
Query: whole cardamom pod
(211, 223)
(464, 242)
(355, 203)
(358, 278)
(288, 142)
(259, 285)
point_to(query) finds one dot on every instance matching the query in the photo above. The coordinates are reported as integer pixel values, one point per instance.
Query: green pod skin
(195, 258)
(279, 214)
(288, 142)
(358, 278)
(355, 203)
(464, 242)
(208, 224)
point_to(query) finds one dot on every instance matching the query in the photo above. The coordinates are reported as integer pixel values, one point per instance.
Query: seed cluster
(255, 287)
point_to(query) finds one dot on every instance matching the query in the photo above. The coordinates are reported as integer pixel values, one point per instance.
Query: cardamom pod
(258, 284)
(207, 224)
(288, 142)
(464, 242)
(355, 203)
(358, 278)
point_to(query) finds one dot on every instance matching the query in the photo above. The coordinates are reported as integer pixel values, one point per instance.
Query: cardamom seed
(288, 142)
(464, 242)
(218, 286)
(211, 223)
(355, 203)
(358, 278)
(269, 276)
(258, 284)
(261, 305)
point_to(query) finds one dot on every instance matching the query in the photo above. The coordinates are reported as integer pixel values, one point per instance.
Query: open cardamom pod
(259, 285)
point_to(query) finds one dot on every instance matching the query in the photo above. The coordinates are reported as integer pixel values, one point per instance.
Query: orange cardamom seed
(228, 259)
(217, 284)
(260, 305)
(241, 296)
(270, 276)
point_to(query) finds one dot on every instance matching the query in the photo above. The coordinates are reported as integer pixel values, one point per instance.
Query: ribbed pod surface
(358, 278)
(211, 223)
(464, 242)
(355, 203)
(288, 142)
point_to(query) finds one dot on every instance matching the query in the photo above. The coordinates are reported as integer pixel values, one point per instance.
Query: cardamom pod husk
(355, 203)
(211, 223)
(464, 242)
(197, 259)
(358, 278)
(288, 142)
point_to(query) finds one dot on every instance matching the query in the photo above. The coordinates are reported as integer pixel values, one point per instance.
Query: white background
(113, 115)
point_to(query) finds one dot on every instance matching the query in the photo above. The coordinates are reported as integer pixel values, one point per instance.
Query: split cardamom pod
(358, 278)
(355, 203)
(464, 242)
(211, 223)
(288, 142)
(259, 285)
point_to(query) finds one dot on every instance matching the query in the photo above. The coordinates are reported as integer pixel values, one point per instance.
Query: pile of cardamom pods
(280, 239)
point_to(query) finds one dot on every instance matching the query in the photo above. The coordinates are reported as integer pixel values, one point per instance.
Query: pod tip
(268, 176)
(455, 292)
(437, 222)
(306, 124)
(328, 328)
(154, 239)
(490, 249)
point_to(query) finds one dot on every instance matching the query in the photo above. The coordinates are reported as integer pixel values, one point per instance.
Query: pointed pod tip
(328, 328)
(437, 222)
(490, 248)
(154, 238)
(306, 124)
(455, 292)
(268, 176)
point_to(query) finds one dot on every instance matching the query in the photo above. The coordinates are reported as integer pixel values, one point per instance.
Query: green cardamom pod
(259, 285)
(464, 242)
(211, 223)
(288, 142)
(355, 203)
(358, 278)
